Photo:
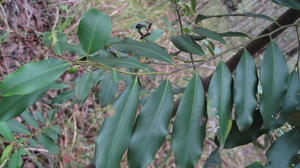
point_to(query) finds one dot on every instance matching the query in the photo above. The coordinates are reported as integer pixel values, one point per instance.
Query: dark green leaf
(283, 150)
(151, 126)
(63, 97)
(295, 4)
(40, 117)
(189, 127)
(75, 49)
(200, 17)
(116, 130)
(29, 119)
(6, 132)
(94, 30)
(57, 41)
(193, 4)
(209, 34)
(146, 49)
(155, 35)
(256, 165)
(32, 77)
(108, 89)
(187, 44)
(245, 87)
(214, 160)
(16, 160)
(125, 62)
(273, 77)
(53, 132)
(83, 86)
(220, 100)
(18, 127)
(233, 34)
(49, 144)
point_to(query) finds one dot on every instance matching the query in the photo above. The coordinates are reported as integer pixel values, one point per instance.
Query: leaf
(155, 35)
(56, 40)
(273, 77)
(234, 34)
(201, 17)
(32, 77)
(186, 43)
(209, 34)
(151, 126)
(53, 132)
(193, 4)
(295, 4)
(83, 86)
(49, 144)
(245, 87)
(108, 90)
(6, 153)
(16, 160)
(285, 147)
(213, 160)
(189, 126)
(146, 49)
(18, 127)
(239, 138)
(6, 132)
(125, 62)
(94, 30)
(64, 96)
(116, 130)
(220, 99)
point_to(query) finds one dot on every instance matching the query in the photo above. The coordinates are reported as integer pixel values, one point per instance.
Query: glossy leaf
(94, 30)
(125, 62)
(213, 160)
(189, 126)
(32, 77)
(273, 77)
(187, 44)
(220, 100)
(108, 90)
(116, 131)
(209, 34)
(6, 132)
(295, 4)
(83, 86)
(201, 17)
(283, 150)
(16, 159)
(245, 87)
(49, 144)
(145, 49)
(151, 126)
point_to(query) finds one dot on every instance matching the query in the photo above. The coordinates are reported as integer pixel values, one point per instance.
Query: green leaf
(213, 160)
(155, 35)
(32, 77)
(49, 144)
(108, 90)
(209, 34)
(56, 40)
(6, 153)
(186, 43)
(283, 150)
(146, 49)
(256, 165)
(189, 126)
(193, 4)
(220, 100)
(200, 17)
(125, 62)
(6, 132)
(239, 138)
(151, 126)
(16, 160)
(64, 96)
(53, 132)
(18, 127)
(295, 4)
(234, 34)
(94, 30)
(116, 131)
(273, 77)
(245, 87)
(83, 86)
